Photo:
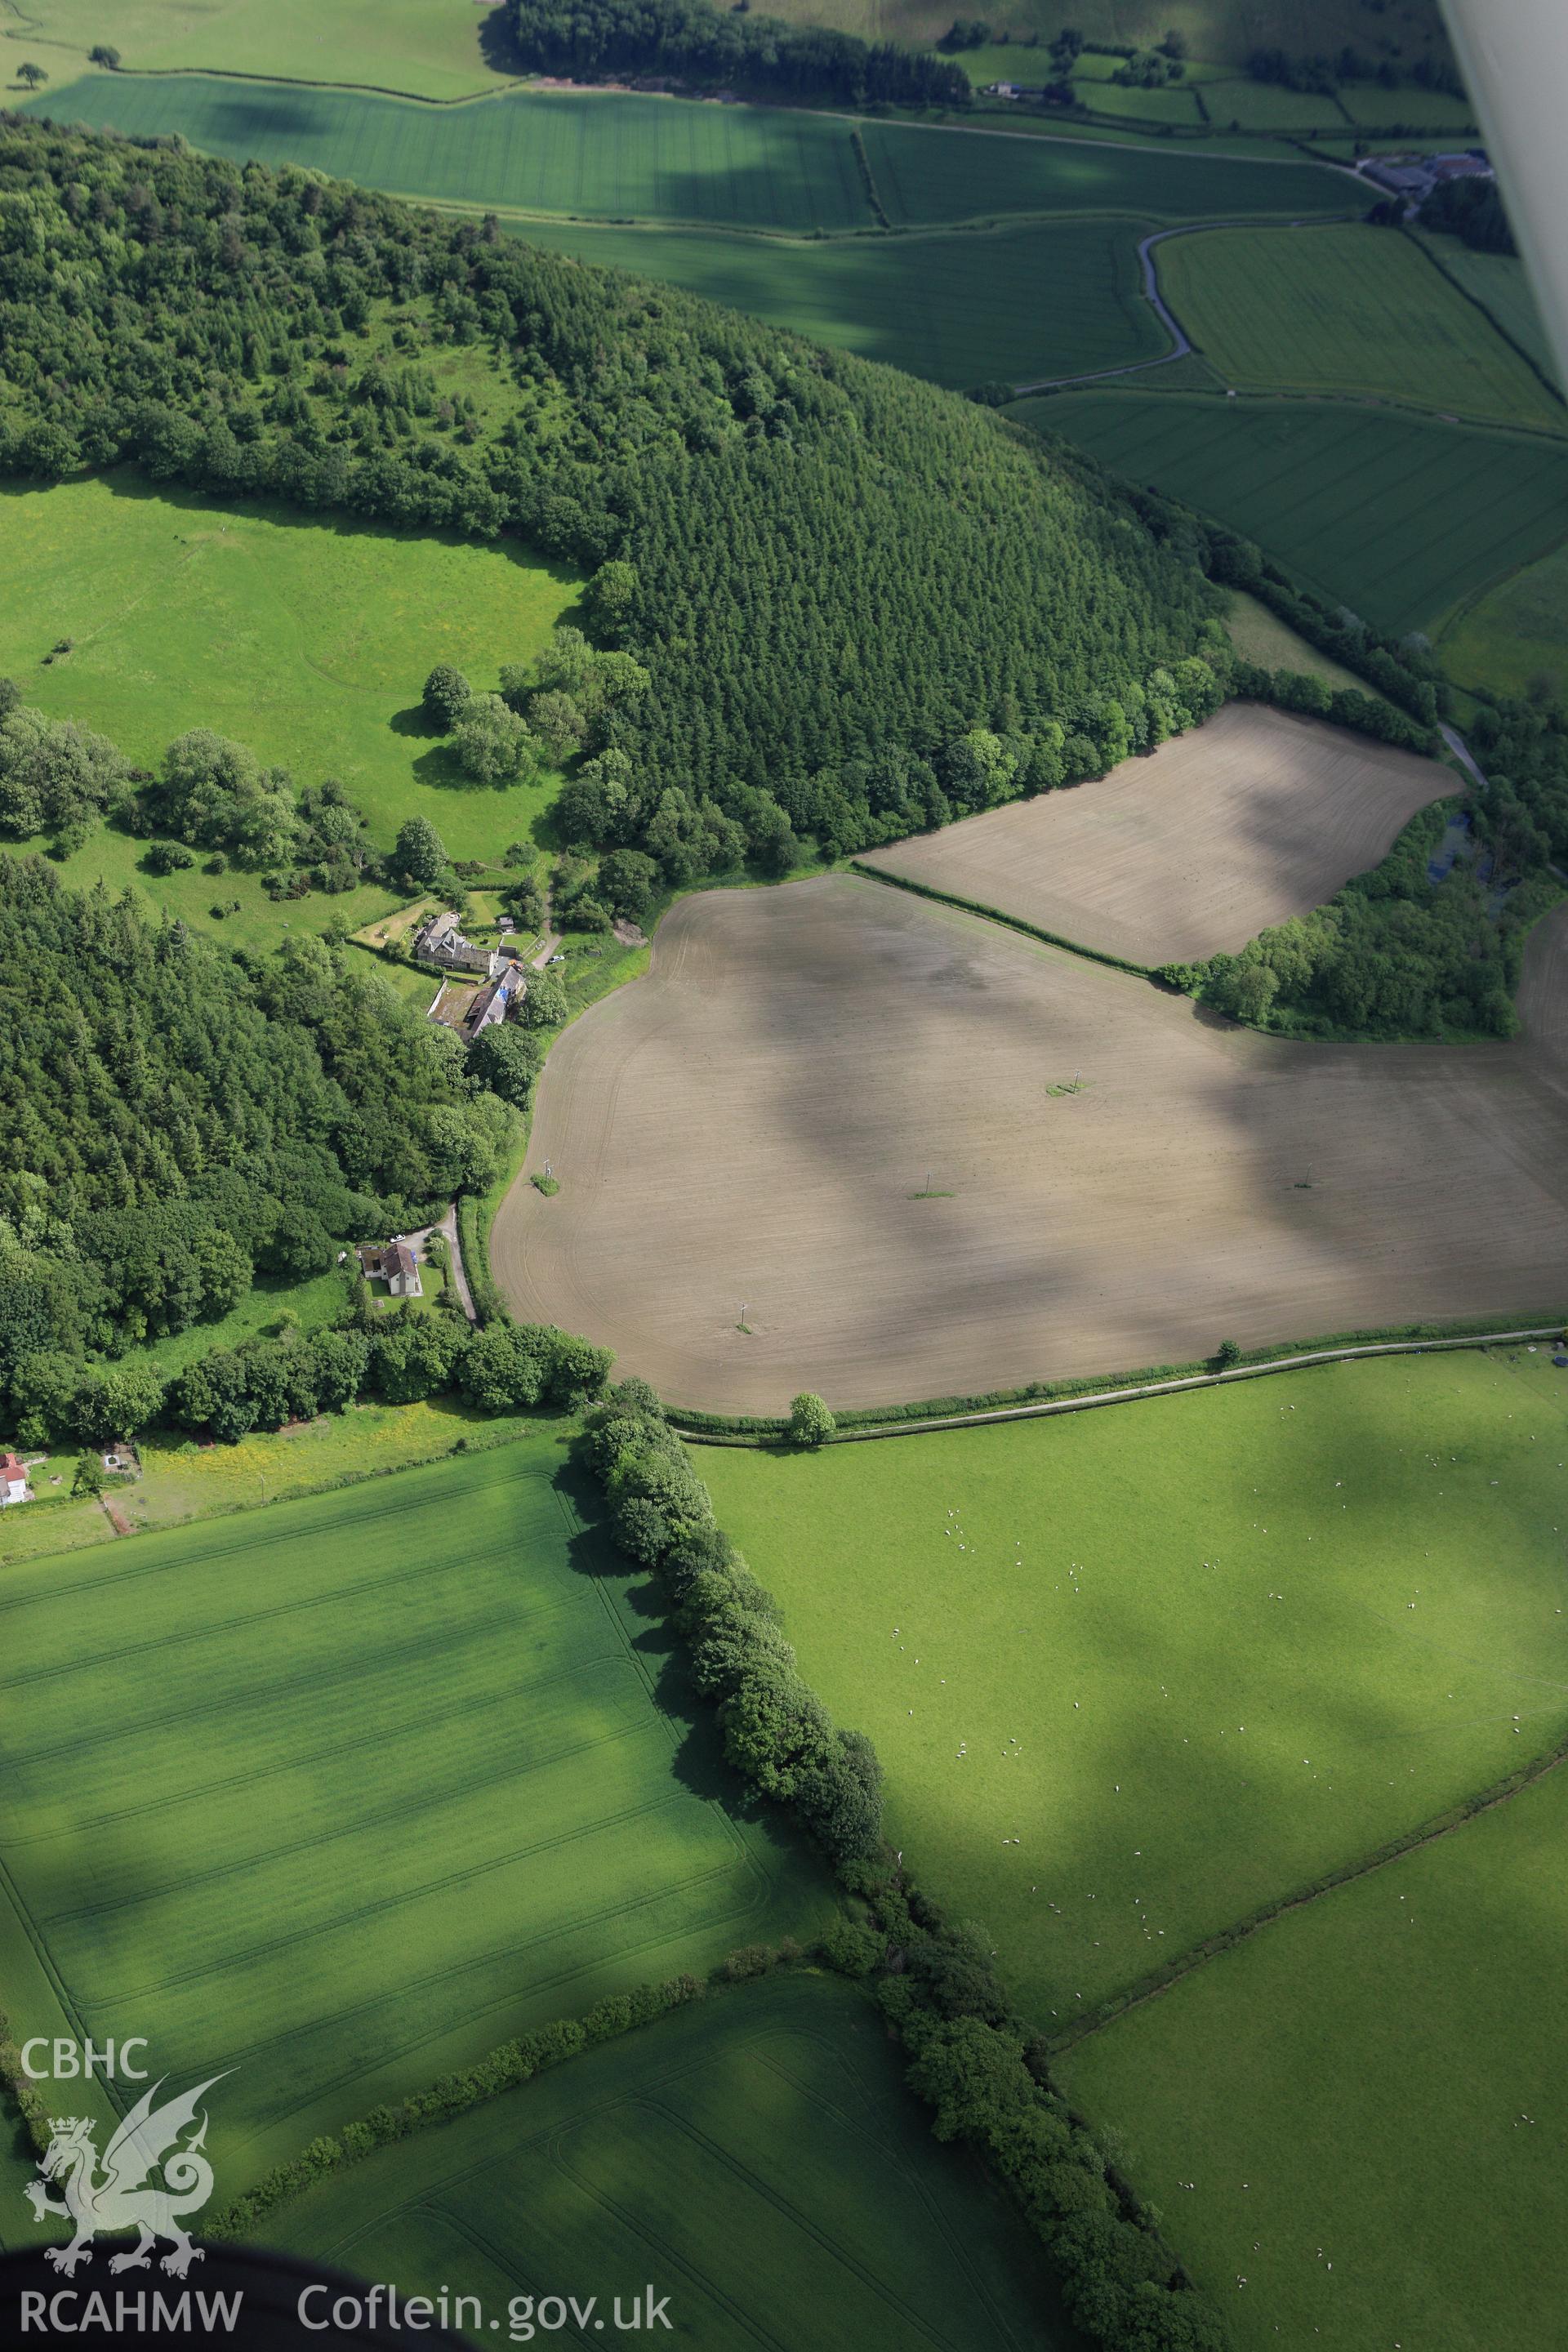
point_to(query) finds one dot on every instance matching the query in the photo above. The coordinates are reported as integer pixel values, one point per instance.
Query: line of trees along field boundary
(1047, 1399)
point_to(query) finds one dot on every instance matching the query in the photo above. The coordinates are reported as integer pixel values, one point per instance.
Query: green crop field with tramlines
(1348, 311)
(620, 157)
(1036, 299)
(756, 2155)
(340, 1794)
(1395, 516)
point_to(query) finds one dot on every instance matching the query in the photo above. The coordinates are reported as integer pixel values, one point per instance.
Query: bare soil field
(751, 1124)
(1198, 847)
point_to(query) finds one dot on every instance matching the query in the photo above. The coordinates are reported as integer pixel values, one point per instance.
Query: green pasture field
(1347, 311)
(541, 151)
(1500, 284)
(756, 2155)
(1173, 102)
(1515, 637)
(1261, 636)
(435, 48)
(1268, 106)
(1000, 305)
(1397, 517)
(315, 1304)
(1217, 31)
(1366, 2100)
(338, 1794)
(1372, 109)
(1189, 1653)
(310, 639)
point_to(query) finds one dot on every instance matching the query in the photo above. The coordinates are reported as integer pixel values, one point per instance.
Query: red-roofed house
(13, 1479)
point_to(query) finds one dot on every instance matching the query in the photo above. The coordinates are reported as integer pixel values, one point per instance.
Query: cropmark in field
(932, 1158)
(340, 1794)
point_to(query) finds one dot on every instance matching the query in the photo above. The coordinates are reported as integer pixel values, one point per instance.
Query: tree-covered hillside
(833, 573)
(178, 1118)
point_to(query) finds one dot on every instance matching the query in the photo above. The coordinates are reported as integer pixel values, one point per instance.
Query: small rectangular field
(758, 2155)
(1396, 516)
(1347, 311)
(842, 1105)
(1053, 298)
(341, 1793)
(1215, 836)
(1190, 1654)
(1358, 2113)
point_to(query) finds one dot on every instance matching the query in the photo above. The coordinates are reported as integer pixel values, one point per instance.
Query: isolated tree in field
(419, 852)
(32, 75)
(100, 54)
(1227, 1354)
(446, 696)
(493, 744)
(810, 1422)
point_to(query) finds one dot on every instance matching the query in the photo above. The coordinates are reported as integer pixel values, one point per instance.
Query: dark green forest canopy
(834, 566)
(177, 1117)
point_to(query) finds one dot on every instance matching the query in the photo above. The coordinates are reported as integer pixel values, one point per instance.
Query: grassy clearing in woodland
(1056, 298)
(393, 1777)
(1395, 516)
(1215, 836)
(1347, 311)
(748, 1122)
(308, 639)
(1133, 1672)
(1365, 2100)
(756, 2153)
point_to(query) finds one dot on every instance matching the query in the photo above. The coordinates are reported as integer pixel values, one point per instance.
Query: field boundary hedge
(1211, 1948)
(303, 81)
(1489, 315)
(1013, 922)
(1044, 1398)
(972, 2060)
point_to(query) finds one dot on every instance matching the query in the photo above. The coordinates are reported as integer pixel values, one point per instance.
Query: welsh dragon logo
(126, 2196)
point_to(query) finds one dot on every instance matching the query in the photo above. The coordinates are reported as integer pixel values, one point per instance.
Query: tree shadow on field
(498, 43)
(415, 720)
(633, 1595)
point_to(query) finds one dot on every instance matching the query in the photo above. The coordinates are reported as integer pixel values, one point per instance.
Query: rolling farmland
(1218, 836)
(1367, 2100)
(387, 1781)
(433, 47)
(1347, 311)
(622, 156)
(556, 150)
(752, 1121)
(1046, 298)
(1193, 1654)
(1396, 517)
(1515, 637)
(757, 2155)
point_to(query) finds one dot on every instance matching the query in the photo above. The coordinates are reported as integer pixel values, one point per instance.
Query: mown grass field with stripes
(338, 1794)
(618, 156)
(1353, 2122)
(1347, 311)
(756, 2156)
(1035, 299)
(1134, 1673)
(1397, 517)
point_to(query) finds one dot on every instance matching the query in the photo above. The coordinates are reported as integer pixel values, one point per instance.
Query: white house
(13, 1479)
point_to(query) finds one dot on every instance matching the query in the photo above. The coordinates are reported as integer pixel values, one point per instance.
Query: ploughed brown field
(748, 1124)
(1212, 838)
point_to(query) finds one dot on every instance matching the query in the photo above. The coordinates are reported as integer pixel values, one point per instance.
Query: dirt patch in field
(752, 1123)
(1212, 838)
